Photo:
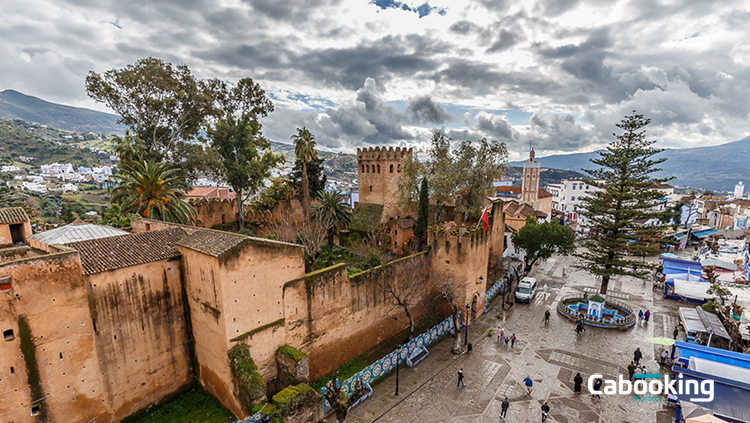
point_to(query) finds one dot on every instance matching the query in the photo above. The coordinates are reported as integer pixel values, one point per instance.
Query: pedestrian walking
(529, 384)
(664, 355)
(674, 333)
(640, 316)
(513, 341)
(631, 370)
(500, 334)
(546, 317)
(637, 355)
(597, 387)
(647, 315)
(460, 378)
(545, 411)
(506, 340)
(577, 382)
(504, 408)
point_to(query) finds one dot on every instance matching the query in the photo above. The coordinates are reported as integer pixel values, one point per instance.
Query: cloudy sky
(383, 72)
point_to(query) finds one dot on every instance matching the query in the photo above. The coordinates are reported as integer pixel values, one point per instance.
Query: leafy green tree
(51, 206)
(625, 196)
(131, 149)
(153, 190)
(237, 136)
(477, 166)
(113, 216)
(164, 105)
(304, 149)
(420, 226)
(272, 195)
(408, 184)
(440, 173)
(332, 212)
(464, 176)
(316, 178)
(540, 240)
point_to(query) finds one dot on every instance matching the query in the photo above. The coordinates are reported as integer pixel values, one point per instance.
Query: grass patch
(194, 405)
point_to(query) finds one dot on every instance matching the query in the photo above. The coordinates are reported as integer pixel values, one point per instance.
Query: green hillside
(15, 105)
(47, 146)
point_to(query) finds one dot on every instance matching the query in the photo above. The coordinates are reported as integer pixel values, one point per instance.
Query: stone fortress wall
(99, 343)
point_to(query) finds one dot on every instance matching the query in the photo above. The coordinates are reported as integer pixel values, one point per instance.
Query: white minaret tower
(530, 181)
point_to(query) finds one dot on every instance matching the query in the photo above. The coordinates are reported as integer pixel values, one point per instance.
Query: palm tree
(153, 190)
(332, 212)
(304, 149)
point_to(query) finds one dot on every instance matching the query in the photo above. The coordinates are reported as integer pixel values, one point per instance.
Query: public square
(550, 354)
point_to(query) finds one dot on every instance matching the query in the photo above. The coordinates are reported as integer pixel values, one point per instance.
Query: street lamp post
(466, 335)
(398, 358)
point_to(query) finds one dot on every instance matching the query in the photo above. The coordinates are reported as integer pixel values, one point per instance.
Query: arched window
(399, 168)
(363, 168)
(378, 168)
(391, 168)
(368, 168)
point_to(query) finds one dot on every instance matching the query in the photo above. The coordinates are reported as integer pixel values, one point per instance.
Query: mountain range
(15, 105)
(717, 167)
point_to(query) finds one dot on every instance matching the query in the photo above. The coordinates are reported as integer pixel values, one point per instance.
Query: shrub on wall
(247, 378)
(293, 398)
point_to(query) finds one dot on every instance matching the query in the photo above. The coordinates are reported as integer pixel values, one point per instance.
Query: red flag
(486, 218)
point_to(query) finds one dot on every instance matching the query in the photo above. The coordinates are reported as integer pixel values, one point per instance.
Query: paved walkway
(550, 354)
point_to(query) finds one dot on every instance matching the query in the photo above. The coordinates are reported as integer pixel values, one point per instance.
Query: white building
(10, 169)
(739, 189)
(70, 187)
(568, 194)
(33, 186)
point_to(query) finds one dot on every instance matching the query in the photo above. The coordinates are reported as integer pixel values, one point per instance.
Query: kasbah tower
(379, 169)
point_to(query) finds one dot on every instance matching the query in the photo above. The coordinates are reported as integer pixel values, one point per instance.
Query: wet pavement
(550, 354)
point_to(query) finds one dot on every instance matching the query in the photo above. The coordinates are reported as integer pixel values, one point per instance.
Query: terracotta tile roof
(505, 189)
(213, 243)
(543, 193)
(105, 254)
(13, 215)
(217, 243)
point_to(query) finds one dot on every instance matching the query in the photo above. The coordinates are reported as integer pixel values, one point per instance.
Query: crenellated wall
(463, 255)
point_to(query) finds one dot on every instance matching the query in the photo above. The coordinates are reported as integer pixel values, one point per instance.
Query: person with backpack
(597, 387)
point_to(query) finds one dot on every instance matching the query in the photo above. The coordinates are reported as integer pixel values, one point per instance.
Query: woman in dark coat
(578, 380)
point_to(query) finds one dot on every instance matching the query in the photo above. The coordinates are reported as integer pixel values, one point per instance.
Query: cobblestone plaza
(550, 354)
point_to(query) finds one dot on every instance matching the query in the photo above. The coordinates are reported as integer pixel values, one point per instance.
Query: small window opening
(378, 168)
(95, 329)
(391, 168)
(12, 371)
(370, 188)
(148, 227)
(61, 357)
(35, 410)
(9, 335)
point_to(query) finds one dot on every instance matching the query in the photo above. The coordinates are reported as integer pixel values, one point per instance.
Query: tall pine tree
(626, 198)
(420, 226)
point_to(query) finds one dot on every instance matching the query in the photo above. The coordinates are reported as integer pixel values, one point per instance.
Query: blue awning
(679, 236)
(704, 233)
(731, 400)
(731, 358)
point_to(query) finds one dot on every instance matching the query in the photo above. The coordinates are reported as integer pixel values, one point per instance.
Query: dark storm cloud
(505, 40)
(479, 78)
(425, 110)
(496, 127)
(559, 132)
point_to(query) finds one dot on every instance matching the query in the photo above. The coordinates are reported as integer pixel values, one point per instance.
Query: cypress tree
(626, 196)
(420, 226)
